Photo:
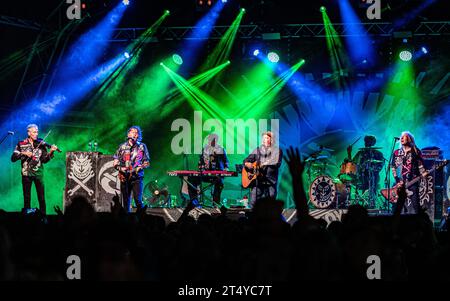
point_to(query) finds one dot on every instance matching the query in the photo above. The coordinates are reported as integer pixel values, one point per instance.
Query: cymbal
(369, 148)
(326, 149)
(317, 158)
(374, 161)
(319, 148)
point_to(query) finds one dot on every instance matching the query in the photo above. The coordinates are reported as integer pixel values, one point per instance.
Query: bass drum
(323, 192)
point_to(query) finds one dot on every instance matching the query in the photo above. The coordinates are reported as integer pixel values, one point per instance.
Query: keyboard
(205, 173)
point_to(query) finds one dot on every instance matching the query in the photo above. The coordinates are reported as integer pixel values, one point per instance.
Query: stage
(329, 215)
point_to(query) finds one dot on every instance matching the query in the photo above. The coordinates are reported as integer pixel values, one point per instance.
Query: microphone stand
(387, 180)
(4, 137)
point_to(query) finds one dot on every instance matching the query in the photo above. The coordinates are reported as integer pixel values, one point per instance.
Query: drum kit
(356, 182)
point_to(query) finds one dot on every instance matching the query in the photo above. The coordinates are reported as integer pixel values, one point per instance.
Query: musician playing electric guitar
(130, 160)
(408, 161)
(261, 169)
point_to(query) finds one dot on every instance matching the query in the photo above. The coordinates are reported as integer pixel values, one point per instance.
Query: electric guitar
(393, 192)
(126, 175)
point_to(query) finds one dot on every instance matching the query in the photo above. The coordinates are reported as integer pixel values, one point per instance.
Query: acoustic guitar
(249, 175)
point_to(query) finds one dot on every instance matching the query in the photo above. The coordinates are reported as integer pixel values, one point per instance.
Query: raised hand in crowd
(296, 168)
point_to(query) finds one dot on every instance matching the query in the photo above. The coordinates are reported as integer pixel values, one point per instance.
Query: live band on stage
(358, 180)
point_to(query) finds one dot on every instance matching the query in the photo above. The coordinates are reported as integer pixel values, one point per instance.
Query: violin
(48, 145)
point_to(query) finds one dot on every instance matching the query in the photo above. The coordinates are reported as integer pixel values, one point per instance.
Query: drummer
(369, 161)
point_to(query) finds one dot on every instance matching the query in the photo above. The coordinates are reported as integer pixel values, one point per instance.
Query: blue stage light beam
(62, 98)
(359, 45)
(199, 35)
(86, 52)
(411, 15)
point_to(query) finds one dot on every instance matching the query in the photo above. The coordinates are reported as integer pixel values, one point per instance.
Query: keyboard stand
(199, 194)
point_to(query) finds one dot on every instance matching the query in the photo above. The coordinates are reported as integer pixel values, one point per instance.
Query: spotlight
(323, 9)
(256, 52)
(177, 59)
(273, 57)
(405, 55)
(424, 50)
(126, 2)
(243, 10)
(167, 12)
(224, 1)
(126, 55)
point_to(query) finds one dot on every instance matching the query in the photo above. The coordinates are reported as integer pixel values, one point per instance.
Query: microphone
(10, 133)
(396, 138)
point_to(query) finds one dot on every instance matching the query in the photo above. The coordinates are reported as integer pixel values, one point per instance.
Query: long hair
(412, 140)
(138, 129)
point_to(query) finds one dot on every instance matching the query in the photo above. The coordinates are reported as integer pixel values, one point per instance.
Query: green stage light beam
(222, 51)
(266, 96)
(197, 98)
(175, 95)
(339, 59)
(135, 49)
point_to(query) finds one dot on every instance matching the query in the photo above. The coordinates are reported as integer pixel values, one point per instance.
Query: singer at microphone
(130, 159)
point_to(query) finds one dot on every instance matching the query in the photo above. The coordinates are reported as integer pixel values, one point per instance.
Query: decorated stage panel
(290, 215)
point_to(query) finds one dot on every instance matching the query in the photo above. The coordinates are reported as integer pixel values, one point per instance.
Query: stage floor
(329, 215)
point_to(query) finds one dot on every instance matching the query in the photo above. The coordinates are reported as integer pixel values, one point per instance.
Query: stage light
(224, 1)
(424, 50)
(126, 55)
(405, 55)
(161, 64)
(126, 2)
(273, 57)
(177, 59)
(243, 10)
(256, 52)
(323, 9)
(167, 12)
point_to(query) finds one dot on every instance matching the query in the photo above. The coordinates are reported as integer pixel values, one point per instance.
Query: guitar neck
(416, 179)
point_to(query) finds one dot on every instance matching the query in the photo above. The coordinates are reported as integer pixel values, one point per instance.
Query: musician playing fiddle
(33, 154)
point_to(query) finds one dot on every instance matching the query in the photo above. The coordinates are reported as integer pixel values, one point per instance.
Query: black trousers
(412, 203)
(217, 189)
(135, 186)
(27, 181)
(262, 190)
